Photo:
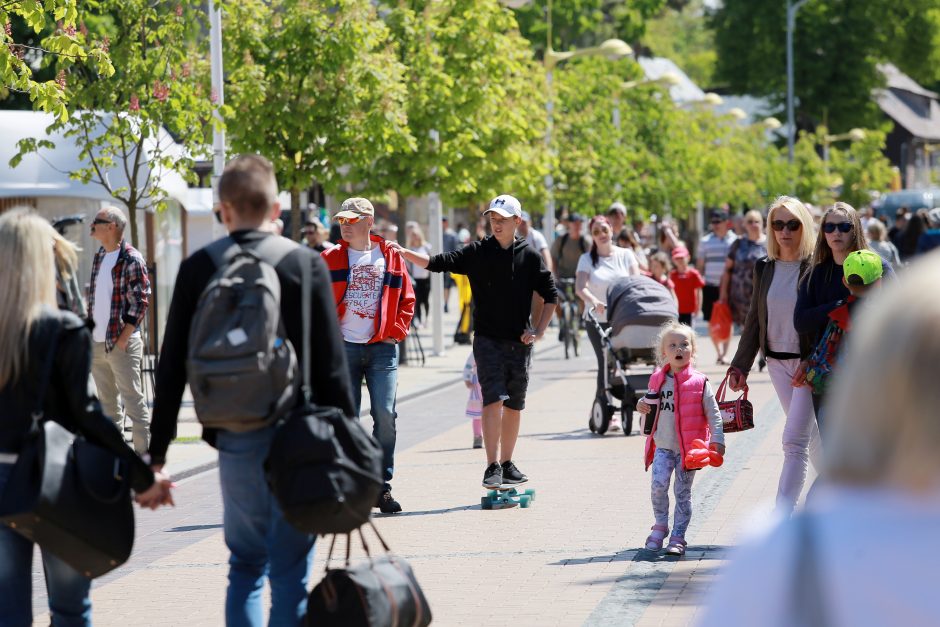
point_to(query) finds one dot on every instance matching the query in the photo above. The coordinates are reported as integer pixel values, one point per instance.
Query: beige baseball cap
(356, 207)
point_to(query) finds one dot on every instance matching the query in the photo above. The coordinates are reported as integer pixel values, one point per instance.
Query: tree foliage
(315, 87)
(119, 124)
(37, 35)
(471, 79)
(683, 36)
(584, 23)
(837, 46)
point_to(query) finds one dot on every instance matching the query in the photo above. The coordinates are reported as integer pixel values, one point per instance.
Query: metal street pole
(791, 121)
(215, 59)
(436, 233)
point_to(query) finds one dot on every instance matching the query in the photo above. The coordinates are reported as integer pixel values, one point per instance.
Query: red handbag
(736, 415)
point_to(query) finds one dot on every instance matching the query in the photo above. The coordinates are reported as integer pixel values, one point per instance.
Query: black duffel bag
(323, 468)
(380, 592)
(70, 496)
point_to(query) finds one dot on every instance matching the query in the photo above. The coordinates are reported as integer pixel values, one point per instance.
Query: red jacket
(691, 422)
(397, 305)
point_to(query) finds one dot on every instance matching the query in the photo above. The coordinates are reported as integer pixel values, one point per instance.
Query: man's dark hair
(248, 185)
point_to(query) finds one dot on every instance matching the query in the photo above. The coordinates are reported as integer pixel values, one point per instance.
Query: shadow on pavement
(426, 512)
(193, 528)
(577, 434)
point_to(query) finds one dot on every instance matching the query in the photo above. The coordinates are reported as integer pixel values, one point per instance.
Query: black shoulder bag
(70, 496)
(380, 592)
(323, 468)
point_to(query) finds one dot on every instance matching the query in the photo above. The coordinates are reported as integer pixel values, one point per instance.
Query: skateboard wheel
(530, 493)
(485, 503)
(524, 501)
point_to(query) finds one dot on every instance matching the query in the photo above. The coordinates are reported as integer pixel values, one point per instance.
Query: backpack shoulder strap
(273, 248)
(221, 250)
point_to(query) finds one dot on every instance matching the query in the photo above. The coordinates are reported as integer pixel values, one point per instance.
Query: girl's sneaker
(676, 546)
(654, 541)
(478, 441)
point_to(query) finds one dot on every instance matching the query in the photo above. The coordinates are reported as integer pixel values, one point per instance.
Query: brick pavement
(573, 558)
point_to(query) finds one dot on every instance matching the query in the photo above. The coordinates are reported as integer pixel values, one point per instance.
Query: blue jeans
(378, 363)
(67, 588)
(261, 542)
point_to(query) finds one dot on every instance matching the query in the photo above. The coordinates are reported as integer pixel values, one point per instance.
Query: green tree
(863, 168)
(37, 35)
(837, 46)
(472, 80)
(683, 36)
(121, 123)
(315, 87)
(584, 23)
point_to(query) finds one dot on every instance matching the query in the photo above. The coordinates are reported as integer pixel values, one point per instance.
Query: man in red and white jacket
(375, 302)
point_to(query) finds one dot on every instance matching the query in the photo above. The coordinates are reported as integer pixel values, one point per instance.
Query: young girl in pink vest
(687, 411)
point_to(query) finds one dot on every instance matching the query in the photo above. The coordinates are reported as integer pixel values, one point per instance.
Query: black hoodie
(502, 281)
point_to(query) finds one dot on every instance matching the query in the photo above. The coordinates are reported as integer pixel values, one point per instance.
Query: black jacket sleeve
(171, 370)
(72, 383)
(457, 261)
(544, 283)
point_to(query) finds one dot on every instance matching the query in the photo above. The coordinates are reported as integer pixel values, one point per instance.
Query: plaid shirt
(131, 295)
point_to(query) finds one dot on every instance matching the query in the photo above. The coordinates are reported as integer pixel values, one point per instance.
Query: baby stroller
(637, 307)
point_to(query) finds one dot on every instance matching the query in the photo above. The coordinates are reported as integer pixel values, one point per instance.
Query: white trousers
(800, 432)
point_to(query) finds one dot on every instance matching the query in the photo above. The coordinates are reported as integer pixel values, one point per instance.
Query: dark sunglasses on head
(844, 227)
(790, 225)
(101, 221)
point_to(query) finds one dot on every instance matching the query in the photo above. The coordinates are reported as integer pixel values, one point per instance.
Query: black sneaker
(511, 474)
(387, 503)
(493, 477)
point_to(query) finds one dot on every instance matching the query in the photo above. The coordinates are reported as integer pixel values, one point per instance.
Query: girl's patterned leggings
(665, 462)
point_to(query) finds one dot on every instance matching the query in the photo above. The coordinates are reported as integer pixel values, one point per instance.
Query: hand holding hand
(799, 379)
(157, 494)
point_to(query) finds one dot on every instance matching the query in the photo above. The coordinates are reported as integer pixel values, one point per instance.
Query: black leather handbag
(323, 468)
(70, 496)
(380, 592)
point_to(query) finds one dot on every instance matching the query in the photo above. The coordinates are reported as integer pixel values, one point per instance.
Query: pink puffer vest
(691, 423)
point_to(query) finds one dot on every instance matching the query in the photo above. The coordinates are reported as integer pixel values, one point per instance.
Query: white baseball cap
(506, 206)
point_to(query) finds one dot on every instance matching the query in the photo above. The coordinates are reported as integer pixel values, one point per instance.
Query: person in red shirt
(688, 284)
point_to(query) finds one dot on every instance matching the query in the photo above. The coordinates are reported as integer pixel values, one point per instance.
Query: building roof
(45, 173)
(896, 79)
(683, 93)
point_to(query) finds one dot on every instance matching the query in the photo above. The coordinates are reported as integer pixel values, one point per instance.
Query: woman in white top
(421, 276)
(597, 269)
(769, 329)
(865, 550)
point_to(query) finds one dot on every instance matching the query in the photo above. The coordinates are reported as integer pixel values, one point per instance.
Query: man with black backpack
(235, 333)
(566, 251)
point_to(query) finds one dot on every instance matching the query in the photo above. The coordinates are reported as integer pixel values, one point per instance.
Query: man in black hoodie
(503, 273)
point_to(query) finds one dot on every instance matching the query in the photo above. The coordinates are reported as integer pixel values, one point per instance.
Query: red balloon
(715, 459)
(698, 443)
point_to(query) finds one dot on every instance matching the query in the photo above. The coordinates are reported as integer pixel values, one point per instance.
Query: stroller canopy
(639, 300)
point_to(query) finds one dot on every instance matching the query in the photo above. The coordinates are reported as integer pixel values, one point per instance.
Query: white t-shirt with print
(104, 289)
(619, 264)
(363, 294)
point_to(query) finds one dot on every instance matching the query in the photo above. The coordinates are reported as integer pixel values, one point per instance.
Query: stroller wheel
(600, 417)
(626, 419)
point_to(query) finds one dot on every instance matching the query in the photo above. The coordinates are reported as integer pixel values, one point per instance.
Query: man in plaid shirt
(117, 303)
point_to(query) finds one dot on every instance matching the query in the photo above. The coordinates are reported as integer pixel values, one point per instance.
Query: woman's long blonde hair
(807, 231)
(27, 282)
(882, 425)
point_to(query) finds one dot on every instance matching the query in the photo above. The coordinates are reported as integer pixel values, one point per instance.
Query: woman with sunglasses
(597, 269)
(822, 287)
(769, 329)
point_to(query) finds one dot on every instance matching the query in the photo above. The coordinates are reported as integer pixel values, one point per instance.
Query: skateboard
(506, 496)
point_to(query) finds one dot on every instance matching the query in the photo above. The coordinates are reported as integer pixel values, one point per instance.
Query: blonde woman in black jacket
(769, 329)
(29, 323)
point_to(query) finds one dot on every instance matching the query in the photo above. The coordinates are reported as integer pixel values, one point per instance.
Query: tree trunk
(295, 216)
(132, 220)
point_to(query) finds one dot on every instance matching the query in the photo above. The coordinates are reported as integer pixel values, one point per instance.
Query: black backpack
(323, 468)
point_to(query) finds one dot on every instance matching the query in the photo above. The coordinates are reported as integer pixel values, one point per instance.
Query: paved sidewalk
(573, 558)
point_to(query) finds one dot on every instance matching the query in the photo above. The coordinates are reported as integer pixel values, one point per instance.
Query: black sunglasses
(844, 227)
(790, 225)
(101, 221)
